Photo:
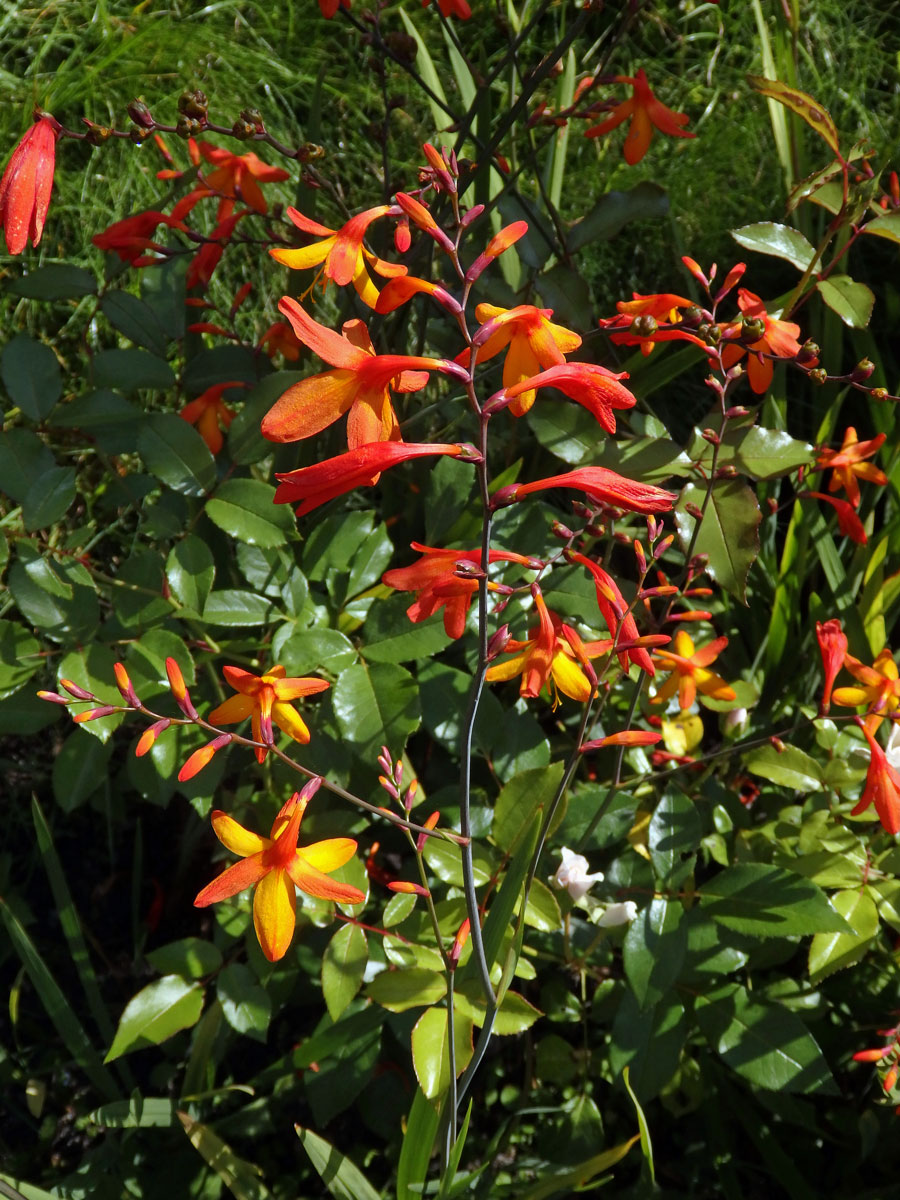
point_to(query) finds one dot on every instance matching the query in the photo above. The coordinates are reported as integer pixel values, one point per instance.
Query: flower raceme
(340, 253)
(360, 385)
(689, 674)
(275, 865)
(361, 467)
(848, 464)
(26, 185)
(439, 585)
(645, 113)
(636, 323)
(882, 786)
(266, 699)
(599, 484)
(619, 621)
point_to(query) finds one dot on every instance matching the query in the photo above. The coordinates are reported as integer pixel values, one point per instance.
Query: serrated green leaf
(190, 957)
(55, 281)
(49, 498)
(376, 705)
(131, 371)
(614, 210)
(245, 1005)
(135, 319)
(853, 302)
(190, 571)
(236, 609)
(240, 1177)
(790, 767)
(654, 948)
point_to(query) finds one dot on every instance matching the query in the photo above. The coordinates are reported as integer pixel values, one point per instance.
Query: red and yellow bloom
(210, 414)
(879, 690)
(882, 787)
(779, 340)
(266, 699)
(689, 674)
(593, 387)
(848, 464)
(275, 865)
(645, 113)
(599, 484)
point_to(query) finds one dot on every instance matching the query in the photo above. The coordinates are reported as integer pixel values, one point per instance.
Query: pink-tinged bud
(731, 280)
(123, 683)
(408, 889)
(429, 824)
(738, 411)
(179, 690)
(308, 790)
(459, 941)
(384, 760)
(779, 745)
(640, 556)
(199, 759)
(389, 787)
(54, 697)
(470, 215)
(667, 589)
(663, 546)
(419, 215)
(694, 269)
(695, 614)
(411, 795)
(74, 690)
(508, 236)
(434, 157)
(149, 736)
(693, 510)
(628, 737)
(92, 714)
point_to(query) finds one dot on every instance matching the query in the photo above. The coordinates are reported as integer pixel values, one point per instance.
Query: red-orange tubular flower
(329, 7)
(237, 177)
(452, 8)
(359, 386)
(663, 306)
(598, 484)
(779, 340)
(130, 238)
(594, 388)
(361, 467)
(534, 342)
(848, 465)
(275, 865)
(882, 787)
(210, 414)
(26, 185)
(848, 522)
(645, 112)
(833, 646)
(266, 699)
(619, 621)
(435, 579)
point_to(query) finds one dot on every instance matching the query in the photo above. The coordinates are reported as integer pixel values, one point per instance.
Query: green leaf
(415, 1150)
(245, 1005)
(31, 376)
(376, 705)
(79, 769)
(190, 957)
(648, 1043)
(340, 1175)
(887, 226)
(136, 319)
(343, 966)
(104, 416)
(140, 1112)
(392, 637)
(245, 509)
(431, 1049)
(23, 457)
(176, 454)
(156, 1013)
(790, 768)
(444, 693)
(831, 952)
(770, 453)
(131, 371)
(853, 302)
(49, 498)
(674, 835)
(728, 534)
(769, 902)
(542, 910)
(20, 657)
(448, 489)
(413, 987)
(426, 68)
(190, 571)
(370, 560)
(654, 948)
(614, 210)
(240, 1177)
(779, 241)
(764, 1043)
(215, 365)
(307, 650)
(644, 1135)
(515, 1014)
(524, 795)
(55, 281)
(237, 609)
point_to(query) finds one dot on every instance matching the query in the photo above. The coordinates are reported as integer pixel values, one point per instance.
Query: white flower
(617, 914)
(892, 749)
(572, 874)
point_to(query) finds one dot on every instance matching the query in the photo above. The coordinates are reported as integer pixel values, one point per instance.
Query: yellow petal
(315, 883)
(329, 854)
(238, 839)
(234, 709)
(304, 257)
(290, 722)
(274, 905)
(507, 670)
(569, 678)
(850, 697)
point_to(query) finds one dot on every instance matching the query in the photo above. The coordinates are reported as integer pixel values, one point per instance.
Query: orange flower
(833, 646)
(361, 467)
(848, 522)
(237, 177)
(210, 414)
(342, 253)
(645, 112)
(553, 657)
(847, 464)
(689, 674)
(452, 8)
(279, 338)
(360, 386)
(26, 185)
(880, 690)
(619, 621)
(534, 343)
(882, 787)
(663, 306)
(594, 388)
(264, 699)
(435, 579)
(598, 484)
(207, 257)
(779, 340)
(275, 865)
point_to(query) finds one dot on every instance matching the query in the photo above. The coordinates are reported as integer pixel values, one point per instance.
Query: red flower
(848, 522)
(662, 306)
(330, 7)
(779, 340)
(619, 621)
(207, 258)
(598, 484)
(645, 112)
(882, 787)
(279, 338)
(26, 185)
(130, 238)
(210, 414)
(594, 388)
(847, 464)
(833, 646)
(435, 579)
(451, 8)
(361, 467)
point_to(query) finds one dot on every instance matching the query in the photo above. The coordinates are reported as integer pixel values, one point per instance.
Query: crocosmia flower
(879, 688)
(593, 387)
(645, 113)
(210, 414)
(626, 330)
(619, 620)
(275, 865)
(689, 671)
(26, 185)
(882, 788)
(833, 646)
(597, 483)
(778, 340)
(848, 464)
(266, 699)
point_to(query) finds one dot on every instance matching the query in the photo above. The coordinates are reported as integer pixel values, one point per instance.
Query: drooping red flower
(619, 621)
(131, 238)
(645, 113)
(833, 646)
(848, 522)
(593, 387)
(452, 8)
(882, 787)
(26, 185)
(329, 7)
(598, 484)
(207, 257)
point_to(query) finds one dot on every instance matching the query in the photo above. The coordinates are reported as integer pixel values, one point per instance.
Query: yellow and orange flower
(663, 306)
(210, 414)
(689, 673)
(779, 340)
(879, 690)
(848, 465)
(341, 253)
(593, 387)
(275, 865)
(645, 113)
(534, 343)
(266, 699)
(360, 385)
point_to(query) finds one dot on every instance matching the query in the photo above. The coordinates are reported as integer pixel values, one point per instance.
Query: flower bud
(497, 642)
(140, 114)
(149, 736)
(863, 369)
(459, 941)
(179, 690)
(429, 824)
(819, 375)
(53, 697)
(809, 352)
(563, 532)
(199, 759)
(710, 435)
(242, 130)
(752, 329)
(93, 714)
(193, 104)
(644, 326)
(407, 888)
(123, 683)
(879, 393)
(74, 690)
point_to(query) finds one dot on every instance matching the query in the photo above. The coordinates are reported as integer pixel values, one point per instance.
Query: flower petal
(234, 879)
(315, 883)
(238, 839)
(274, 913)
(230, 711)
(329, 854)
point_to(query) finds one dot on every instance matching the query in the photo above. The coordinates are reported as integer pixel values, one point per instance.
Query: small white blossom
(617, 914)
(572, 874)
(892, 749)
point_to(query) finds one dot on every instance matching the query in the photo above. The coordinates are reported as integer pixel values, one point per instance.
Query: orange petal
(274, 913)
